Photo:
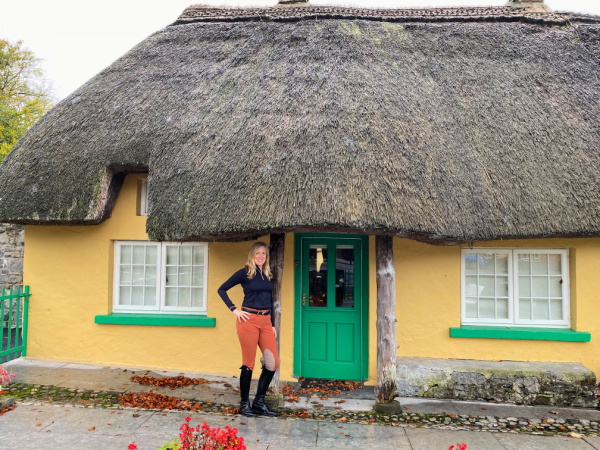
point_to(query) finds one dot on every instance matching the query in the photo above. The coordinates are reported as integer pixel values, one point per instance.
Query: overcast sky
(76, 39)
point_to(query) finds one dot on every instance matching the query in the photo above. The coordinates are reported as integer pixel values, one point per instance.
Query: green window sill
(528, 333)
(164, 320)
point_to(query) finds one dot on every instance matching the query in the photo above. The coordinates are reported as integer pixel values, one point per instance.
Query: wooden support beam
(386, 319)
(276, 251)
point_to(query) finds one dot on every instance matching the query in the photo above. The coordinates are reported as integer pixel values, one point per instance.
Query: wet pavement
(90, 417)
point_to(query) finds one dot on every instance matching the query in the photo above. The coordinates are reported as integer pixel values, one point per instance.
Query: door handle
(303, 299)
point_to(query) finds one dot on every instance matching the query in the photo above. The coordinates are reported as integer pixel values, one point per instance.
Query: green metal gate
(14, 306)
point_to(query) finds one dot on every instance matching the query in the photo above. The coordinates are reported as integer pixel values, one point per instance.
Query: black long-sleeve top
(258, 291)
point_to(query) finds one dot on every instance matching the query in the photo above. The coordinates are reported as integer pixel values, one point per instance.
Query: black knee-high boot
(245, 380)
(258, 405)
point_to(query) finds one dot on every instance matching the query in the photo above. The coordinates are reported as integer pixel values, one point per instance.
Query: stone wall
(519, 382)
(11, 255)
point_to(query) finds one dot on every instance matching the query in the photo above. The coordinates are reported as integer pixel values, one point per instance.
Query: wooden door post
(386, 320)
(277, 248)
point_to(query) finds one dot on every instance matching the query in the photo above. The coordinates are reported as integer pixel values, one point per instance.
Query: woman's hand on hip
(275, 332)
(241, 315)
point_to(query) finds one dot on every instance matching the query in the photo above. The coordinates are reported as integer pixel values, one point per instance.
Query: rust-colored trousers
(258, 331)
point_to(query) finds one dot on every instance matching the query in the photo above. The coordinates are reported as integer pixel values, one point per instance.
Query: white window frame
(513, 288)
(160, 307)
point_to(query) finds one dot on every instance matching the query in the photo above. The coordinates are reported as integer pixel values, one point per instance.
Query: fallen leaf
(224, 419)
(340, 427)
(136, 415)
(575, 435)
(242, 423)
(112, 412)
(408, 409)
(48, 431)
(483, 409)
(91, 429)
(347, 435)
(39, 425)
(554, 412)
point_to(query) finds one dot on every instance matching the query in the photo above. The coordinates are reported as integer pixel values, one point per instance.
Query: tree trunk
(277, 248)
(386, 320)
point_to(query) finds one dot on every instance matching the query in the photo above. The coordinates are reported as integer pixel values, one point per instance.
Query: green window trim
(164, 320)
(527, 333)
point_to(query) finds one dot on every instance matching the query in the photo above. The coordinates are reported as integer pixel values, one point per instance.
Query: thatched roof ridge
(532, 14)
(444, 132)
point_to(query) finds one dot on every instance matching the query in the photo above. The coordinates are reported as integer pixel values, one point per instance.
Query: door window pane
(539, 287)
(344, 276)
(486, 263)
(317, 276)
(487, 308)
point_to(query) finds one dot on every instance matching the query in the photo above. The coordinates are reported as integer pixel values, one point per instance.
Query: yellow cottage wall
(69, 270)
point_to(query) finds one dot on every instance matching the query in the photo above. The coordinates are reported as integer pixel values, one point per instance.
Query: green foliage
(24, 97)
(173, 445)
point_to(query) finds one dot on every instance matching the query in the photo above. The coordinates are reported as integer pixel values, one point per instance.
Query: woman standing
(255, 326)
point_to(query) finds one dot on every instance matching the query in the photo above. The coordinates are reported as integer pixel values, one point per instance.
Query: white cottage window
(521, 287)
(143, 197)
(160, 277)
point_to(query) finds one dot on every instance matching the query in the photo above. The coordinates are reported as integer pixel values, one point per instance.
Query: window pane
(137, 275)
(125, 275)
(471, 286)
(151, 254)
(185, 255)
(523, 263)
(124, 295)
(540, 309)
(556, 309)
(171, 296)
(139, 252)
(524, 287)
(198, 255)
(539, 264)
(539, 287)
(502, 308)
(555, 264)
(150, 276)
(197, 297)
(502, 263)
(487, 308)
(471, 263)
(486, 263)
(198, 276)
(344, 276)
(172, 255)
(502, 286)
(126, 254)
(137, 295)
(150, 296)
(525, 308)
(486, 286)
(185, 276)
(317, 276)
(171, 276)
(555, 286)
(184, 299)
(471, 308)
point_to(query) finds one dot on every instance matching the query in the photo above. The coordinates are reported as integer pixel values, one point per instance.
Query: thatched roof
(443, 125)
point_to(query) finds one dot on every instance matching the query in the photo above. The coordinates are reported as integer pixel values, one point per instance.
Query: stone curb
(542, 426)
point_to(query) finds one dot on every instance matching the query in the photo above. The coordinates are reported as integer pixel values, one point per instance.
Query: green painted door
(331, 291)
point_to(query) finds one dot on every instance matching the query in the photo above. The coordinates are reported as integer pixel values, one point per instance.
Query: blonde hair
(251, 266)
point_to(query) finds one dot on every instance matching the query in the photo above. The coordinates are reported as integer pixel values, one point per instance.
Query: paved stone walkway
(63, 406)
